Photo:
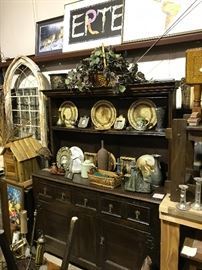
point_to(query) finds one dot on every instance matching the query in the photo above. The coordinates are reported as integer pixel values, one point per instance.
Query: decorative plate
(142, 114)
(68, 112)
(63, 157)
(103, 115)
(77, 157)
(112, 162)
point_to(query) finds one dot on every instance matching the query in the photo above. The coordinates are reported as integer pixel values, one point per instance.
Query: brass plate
(112, 162)
(103, 115)
(63, 157)
(142, 109)
(68, 112)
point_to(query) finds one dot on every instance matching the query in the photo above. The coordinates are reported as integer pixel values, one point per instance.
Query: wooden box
(194, 66)
(20, 159)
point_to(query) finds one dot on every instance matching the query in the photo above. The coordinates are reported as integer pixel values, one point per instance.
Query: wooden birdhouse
(20, 159)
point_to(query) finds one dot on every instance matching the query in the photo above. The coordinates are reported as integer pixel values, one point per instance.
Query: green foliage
(113, 66)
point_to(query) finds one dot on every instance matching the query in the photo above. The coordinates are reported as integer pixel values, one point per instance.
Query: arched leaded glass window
(24, 101)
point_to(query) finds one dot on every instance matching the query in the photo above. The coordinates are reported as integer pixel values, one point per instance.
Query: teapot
(85, 168)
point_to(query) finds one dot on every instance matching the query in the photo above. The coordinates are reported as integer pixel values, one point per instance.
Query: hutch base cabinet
(115, 230)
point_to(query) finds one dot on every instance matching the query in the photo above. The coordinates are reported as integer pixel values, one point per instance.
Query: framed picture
(91, 156)
(88, 24)
(126, 164)
(49, 36)
(153, 19)
(15, 203)
(83, 121)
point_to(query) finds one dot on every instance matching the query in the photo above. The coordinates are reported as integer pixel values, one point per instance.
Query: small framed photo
(120, 122)
(83, 121)
(126, 164)
(49, 36)
(91, 156)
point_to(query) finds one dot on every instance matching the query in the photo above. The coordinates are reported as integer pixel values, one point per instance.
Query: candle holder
(197, 204)
(183, 204)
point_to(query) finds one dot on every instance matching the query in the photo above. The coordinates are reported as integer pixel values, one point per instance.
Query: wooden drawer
(63, 194)
(84, 200)
(111, 207)
(46, 191)
(137, 213)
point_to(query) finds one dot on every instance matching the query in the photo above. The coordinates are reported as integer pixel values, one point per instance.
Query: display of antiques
(103, 68)
(141, 175)
(142, 115)
(102, 168)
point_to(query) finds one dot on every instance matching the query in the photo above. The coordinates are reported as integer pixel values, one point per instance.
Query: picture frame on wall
(49, 36)
(156, 19)
(89, 24)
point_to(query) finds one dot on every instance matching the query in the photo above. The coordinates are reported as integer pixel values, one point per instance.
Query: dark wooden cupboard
(116, 229)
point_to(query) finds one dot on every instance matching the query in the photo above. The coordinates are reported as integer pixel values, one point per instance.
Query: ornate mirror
(24, 101)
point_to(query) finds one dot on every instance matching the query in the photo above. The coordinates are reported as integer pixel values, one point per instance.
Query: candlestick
(183, 204)
(197, 204)
(23, 222)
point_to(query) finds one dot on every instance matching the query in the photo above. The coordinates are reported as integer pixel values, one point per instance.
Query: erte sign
(87, 25)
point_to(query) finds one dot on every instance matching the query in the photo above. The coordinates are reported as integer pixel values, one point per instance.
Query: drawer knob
(110, 207)
(44, 191)
(137, 214)
(62, 196)
(85, 202)
(102, 240)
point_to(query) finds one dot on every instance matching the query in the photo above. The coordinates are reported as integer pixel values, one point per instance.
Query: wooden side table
(171, 219)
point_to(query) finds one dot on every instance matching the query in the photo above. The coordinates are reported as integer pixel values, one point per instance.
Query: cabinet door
(53, 222)
(122, 247)
(85, 244)
(84, 247)
(54, 213)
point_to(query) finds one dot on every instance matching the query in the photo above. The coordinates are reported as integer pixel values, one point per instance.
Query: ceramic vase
(156, 176)
(102, 157)
(59, 121)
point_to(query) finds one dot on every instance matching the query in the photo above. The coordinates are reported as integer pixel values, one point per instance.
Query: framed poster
(89, 23)
(15, 202)
(152, 19)
(49, 36)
